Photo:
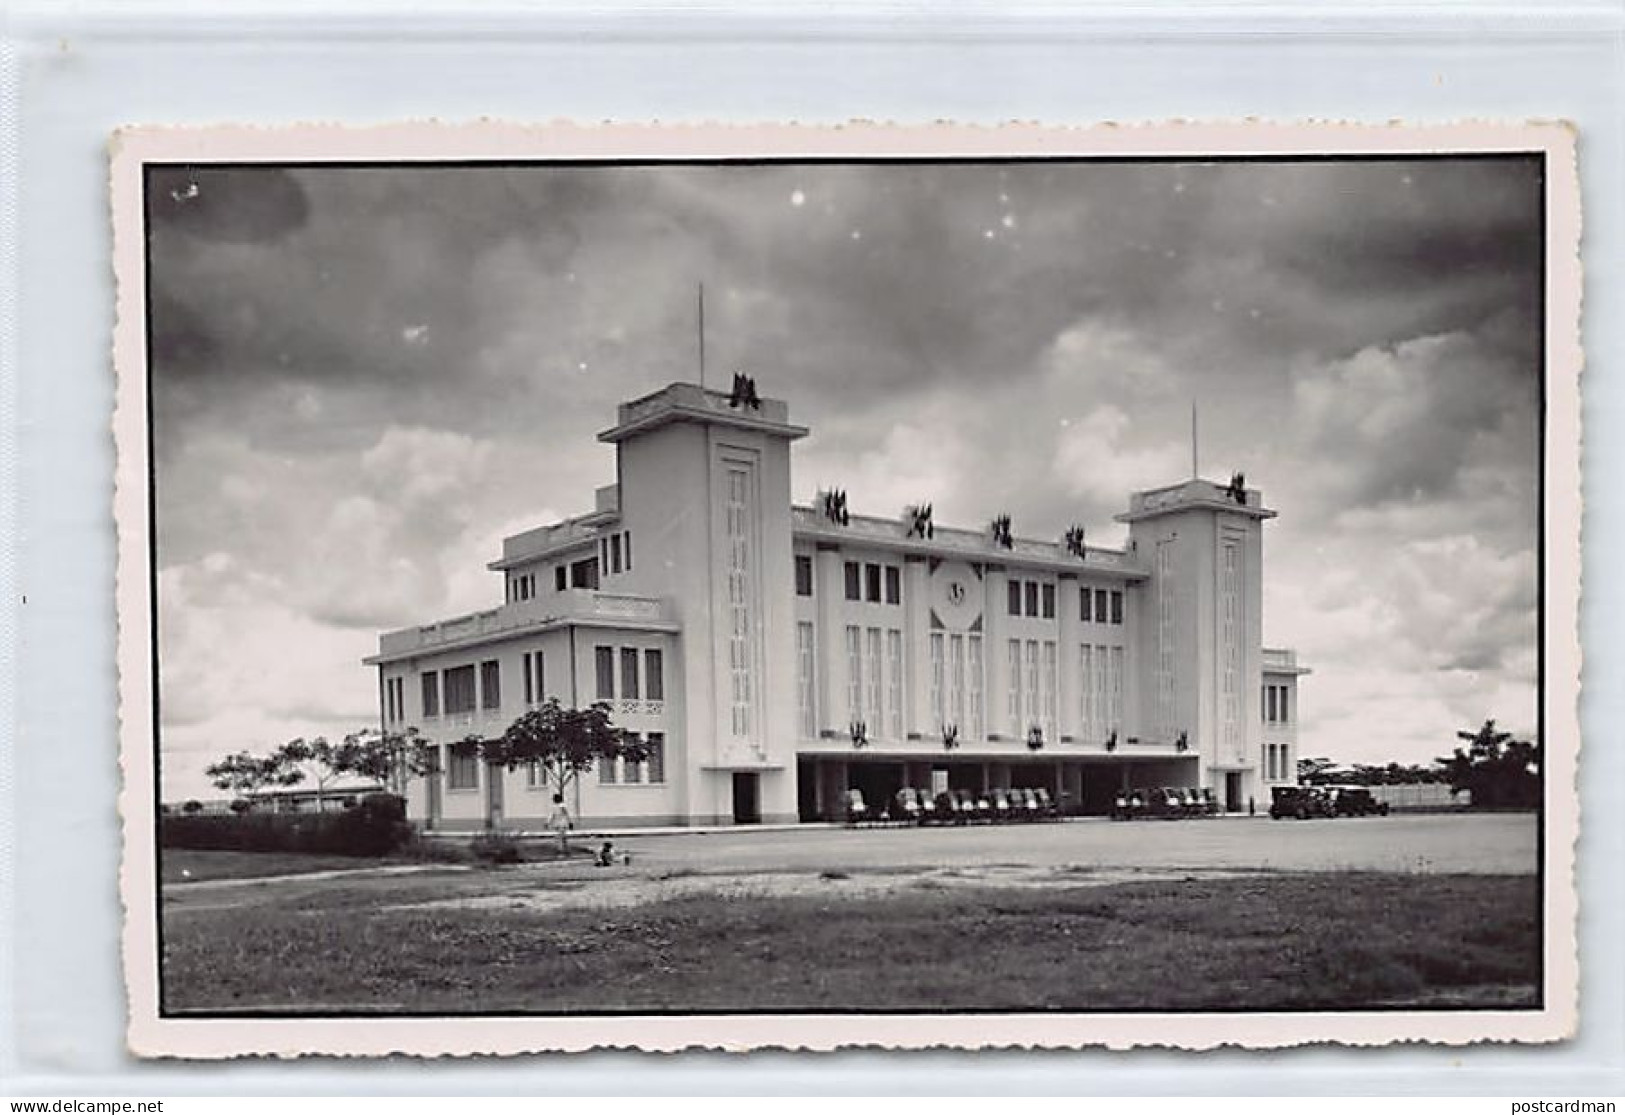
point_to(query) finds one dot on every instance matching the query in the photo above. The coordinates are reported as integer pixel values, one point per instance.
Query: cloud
(363, 378)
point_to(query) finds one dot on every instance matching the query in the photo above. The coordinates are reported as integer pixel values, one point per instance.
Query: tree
(1496, 768)
(243, 773)
(564, 742)
(1313, 770)
(392, 758)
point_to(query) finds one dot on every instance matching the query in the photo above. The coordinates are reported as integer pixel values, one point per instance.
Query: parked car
(910, 806)
(1301, 802)
(1356, 801)
(954, 807)
(855, 811)
(1190, 802)
(1210, 802)
(1003, 804)
(1047, 809)
(1127, 805)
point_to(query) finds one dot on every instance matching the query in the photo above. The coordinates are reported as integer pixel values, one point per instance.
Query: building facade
(773, 656)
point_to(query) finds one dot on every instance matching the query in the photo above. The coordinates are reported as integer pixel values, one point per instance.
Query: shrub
(376, 827)
(192, 807)
(495, 846)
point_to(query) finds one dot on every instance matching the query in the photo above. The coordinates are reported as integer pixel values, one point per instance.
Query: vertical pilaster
(994, 653)
(831, 639)
(917, 719)
(1066, 603)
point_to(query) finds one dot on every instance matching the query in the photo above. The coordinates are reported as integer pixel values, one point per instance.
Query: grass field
(1261, 942)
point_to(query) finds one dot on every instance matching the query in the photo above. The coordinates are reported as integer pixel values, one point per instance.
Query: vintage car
(854, 810)
(1356, 801)
(1301, 802)
(911, 806)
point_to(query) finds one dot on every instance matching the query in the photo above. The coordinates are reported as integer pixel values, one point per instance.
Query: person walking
(559, 822)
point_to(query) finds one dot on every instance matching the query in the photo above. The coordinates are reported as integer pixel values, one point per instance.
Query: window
(655, 761)
(938, 676)
(1048, 683)
(894, 585)
(535, 775)
(459, 694)
(804, 575)
(560, 573)
(431, 694)
(491, 684)
(956, 681)
(854, 577)
(654, 680)
(871, 582)
(1032, 692)
(1032, 598)
(874, 716)
(805, 700)
(584, 573)
(740, 518)
(614, 553)
(1285, 717)
(626, 547)
(1015, 598)
(606, 772)
(530, 682)
(1085, 596)
(463, 772)
(629, 673)
(1102, 605)
(894, 682)
(854, 672)
(604, 661)
(1049, 601)
(974, 672)
(1016, 730)
(1117, 608)
(632, 769)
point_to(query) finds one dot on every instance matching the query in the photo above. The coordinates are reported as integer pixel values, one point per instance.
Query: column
(830, 639)
(918, 722)
(1067, 693)
(994, 653)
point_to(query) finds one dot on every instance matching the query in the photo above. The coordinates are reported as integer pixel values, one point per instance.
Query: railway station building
(773, 656)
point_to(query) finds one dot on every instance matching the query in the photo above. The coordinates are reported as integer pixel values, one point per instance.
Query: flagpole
(1195, 471)
(702, 335)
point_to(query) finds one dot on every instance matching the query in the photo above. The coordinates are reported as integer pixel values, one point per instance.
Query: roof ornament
(744, 393)
(1237, 489)
(1074, 542)
(834, 506)
(917, 517)
(1001, 532)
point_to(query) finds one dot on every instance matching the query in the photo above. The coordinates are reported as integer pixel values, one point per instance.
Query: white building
(749, 642)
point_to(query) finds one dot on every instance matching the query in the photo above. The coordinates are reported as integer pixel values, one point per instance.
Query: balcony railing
(570, 605)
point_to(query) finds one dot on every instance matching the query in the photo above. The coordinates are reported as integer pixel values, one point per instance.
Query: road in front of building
(1481, 843)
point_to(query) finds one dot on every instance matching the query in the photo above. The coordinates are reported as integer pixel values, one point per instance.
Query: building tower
(704, 493)
(1201, 627)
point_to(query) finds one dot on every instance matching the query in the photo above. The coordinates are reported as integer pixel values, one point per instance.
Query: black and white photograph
(992, 589)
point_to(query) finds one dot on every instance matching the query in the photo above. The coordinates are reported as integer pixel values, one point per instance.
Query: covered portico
(1082, 783)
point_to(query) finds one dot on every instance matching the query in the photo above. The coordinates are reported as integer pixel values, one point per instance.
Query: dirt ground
(861, 863)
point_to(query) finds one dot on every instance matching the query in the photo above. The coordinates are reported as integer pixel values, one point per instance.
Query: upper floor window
(1049, 601)
(1102, 605)
(871, 582)
(894, 585)
(1117, 606)
(584, 573)
(459, 690)
(629, 672)
(431, 694)
(1086, 597)
(654, 680)
(604, 662)
(804, 575)
(1032, 598)
(854, 581)
(491, 684)
(1015, 598)
(560, 578)
(614, 553)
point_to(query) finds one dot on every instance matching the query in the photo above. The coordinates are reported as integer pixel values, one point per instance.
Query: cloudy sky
(364, 378)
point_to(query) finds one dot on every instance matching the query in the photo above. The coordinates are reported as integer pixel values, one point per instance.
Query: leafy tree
(391, 758)
(243, 773)
(1496, 768)
(564, 742)
(1313, 770)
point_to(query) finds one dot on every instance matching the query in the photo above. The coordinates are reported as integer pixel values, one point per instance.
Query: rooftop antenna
(1195, 471)
(702, 336)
